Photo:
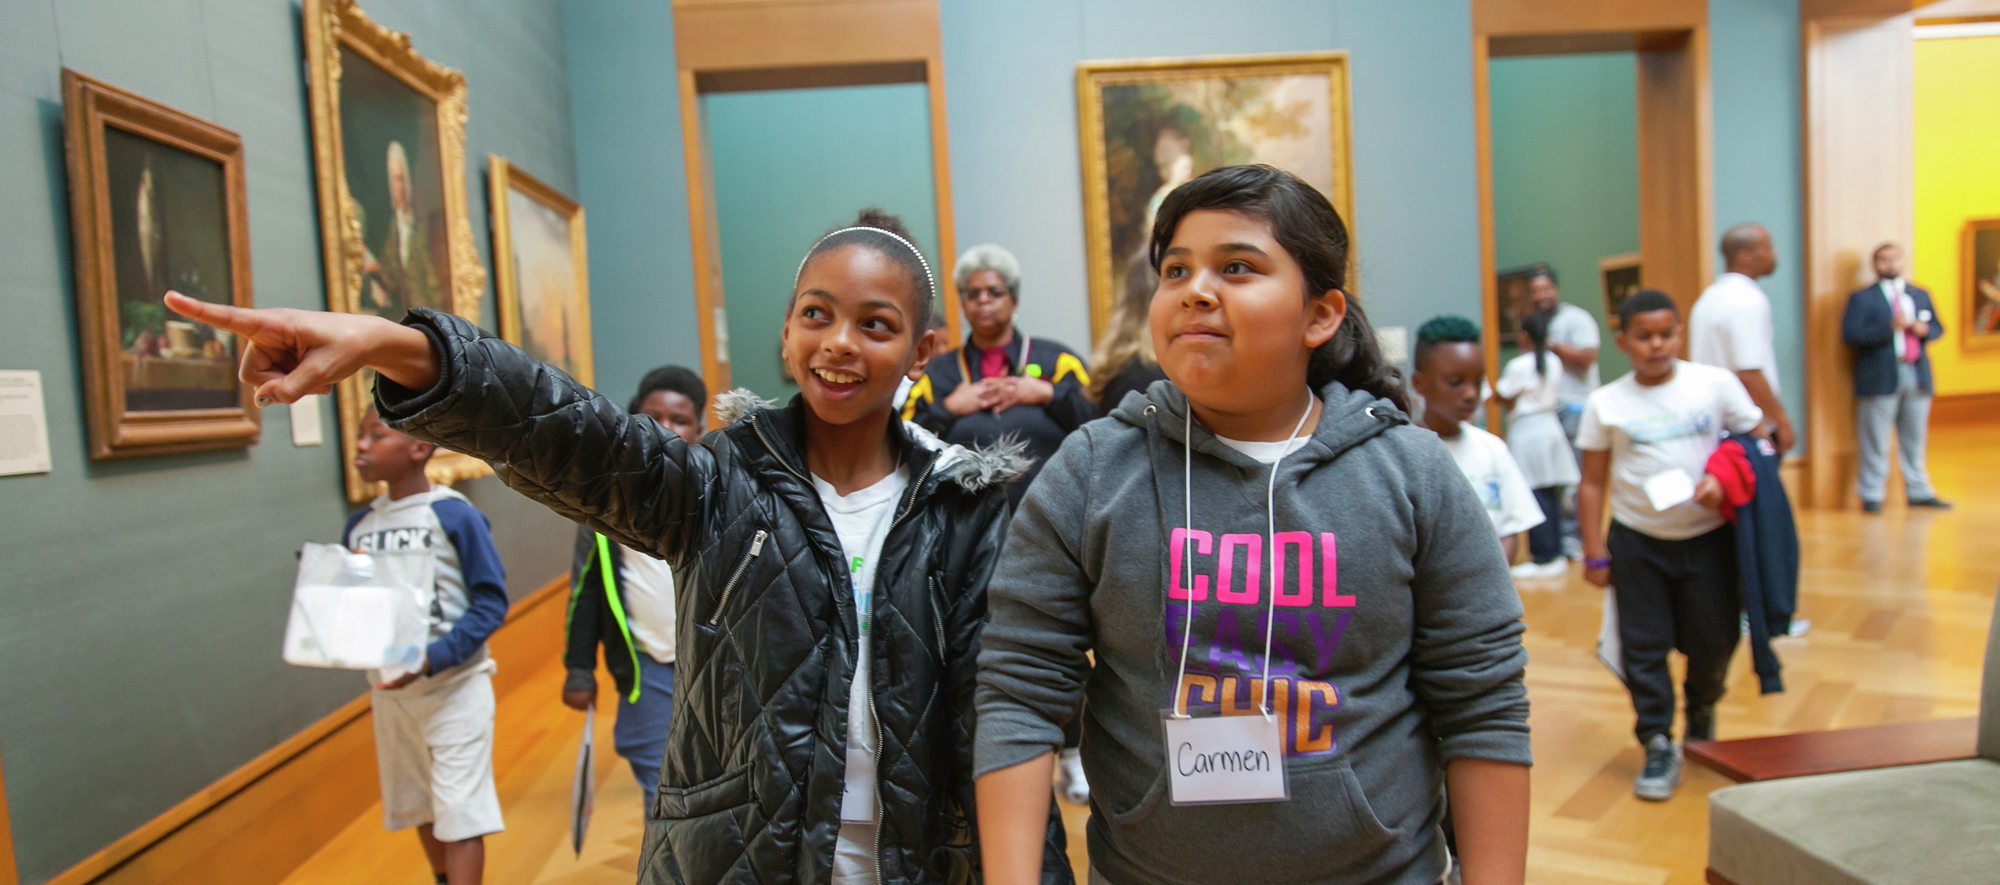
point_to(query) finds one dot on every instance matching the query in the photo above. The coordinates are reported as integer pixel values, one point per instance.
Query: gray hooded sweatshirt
(1396, 641)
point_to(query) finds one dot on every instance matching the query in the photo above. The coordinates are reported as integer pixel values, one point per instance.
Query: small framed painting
(540, 272)
(1619, 277)
(1981, 292)
(156, 204)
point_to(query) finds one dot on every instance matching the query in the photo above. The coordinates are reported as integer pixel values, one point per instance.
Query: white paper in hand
(583, 792)
(1611, 649)
(1669, 488)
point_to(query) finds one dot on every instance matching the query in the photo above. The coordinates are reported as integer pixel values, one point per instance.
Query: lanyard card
(1222, 760)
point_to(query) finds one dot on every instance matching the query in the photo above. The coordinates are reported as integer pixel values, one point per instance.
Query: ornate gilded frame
(503, 176)
(88, 107)
(1968, 295)
(329, 26)
(1093, 76)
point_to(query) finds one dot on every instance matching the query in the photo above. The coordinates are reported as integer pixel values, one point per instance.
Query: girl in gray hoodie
(1266, 537)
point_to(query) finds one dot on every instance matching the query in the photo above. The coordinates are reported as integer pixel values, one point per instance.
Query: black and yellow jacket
(1041, 428)
(597, 617)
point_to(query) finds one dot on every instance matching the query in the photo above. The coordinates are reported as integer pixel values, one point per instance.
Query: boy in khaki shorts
(434, 729)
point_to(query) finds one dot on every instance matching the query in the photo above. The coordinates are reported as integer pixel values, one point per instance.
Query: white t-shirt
(861, 521)
(1730, 327)
(647, 590)
(1573, 326)
(1650, 430)
(1532, 393)
(1267, 452)
(1486, 463)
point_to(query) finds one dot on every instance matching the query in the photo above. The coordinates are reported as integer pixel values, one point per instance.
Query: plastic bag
(360, 611)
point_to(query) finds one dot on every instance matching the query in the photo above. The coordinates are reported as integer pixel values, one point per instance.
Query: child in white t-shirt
(1450, 363)
(1531, 386)
(1647, 436)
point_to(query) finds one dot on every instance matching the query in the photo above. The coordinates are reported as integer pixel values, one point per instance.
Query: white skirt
(1542, 451)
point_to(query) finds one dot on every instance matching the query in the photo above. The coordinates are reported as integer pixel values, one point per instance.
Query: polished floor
(1899, 605)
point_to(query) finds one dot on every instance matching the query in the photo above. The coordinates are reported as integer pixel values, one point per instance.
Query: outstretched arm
(445, 381)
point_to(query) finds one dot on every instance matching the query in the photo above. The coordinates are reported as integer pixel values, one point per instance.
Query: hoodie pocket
(697, 832)
(1326, 827)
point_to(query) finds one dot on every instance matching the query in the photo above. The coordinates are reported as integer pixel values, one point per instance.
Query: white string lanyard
(1187, 556)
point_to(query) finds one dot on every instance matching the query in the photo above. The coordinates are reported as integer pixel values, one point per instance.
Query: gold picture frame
(156, 203)
(1146, 125)
(1979, 254)
(1618, 276)
(360, 77)
(540, 267)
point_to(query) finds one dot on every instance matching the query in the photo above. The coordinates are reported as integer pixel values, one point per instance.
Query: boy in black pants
(1669, 553)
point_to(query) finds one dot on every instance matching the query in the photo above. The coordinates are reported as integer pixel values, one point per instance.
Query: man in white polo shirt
(1730, 325)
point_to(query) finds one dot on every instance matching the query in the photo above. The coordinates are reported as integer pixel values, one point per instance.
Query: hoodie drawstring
(1271, 546)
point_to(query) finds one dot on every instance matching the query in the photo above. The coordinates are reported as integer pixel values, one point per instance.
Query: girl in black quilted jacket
(832, 561)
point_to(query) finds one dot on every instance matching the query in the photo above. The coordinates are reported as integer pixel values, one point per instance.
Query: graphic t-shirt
(1490, 468)
(469, 598)
(1653, 429)
(861, 520)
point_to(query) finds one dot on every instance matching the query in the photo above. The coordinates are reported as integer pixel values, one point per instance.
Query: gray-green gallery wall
(143, 601)
(1566, 172)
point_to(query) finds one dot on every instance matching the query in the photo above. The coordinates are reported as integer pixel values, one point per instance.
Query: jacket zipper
(937, 620)
(729, 589)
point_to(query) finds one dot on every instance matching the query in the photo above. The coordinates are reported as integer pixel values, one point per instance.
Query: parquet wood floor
(1899, 605)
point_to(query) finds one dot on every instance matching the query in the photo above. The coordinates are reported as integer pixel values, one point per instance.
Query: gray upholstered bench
(1931, 823)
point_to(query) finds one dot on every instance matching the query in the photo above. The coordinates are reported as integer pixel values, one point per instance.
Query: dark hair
(1311, 231)
(1543, 270)
(923, 290)
(1645, 301)
(1446, 329)
(678, 379)
(1536, 326)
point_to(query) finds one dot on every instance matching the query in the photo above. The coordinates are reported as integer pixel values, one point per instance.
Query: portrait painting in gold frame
(389, 148)
(540, 271)
(156, 204)
(1979, 326)
(1148, 126)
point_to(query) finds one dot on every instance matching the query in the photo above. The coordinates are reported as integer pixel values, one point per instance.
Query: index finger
(229, 318)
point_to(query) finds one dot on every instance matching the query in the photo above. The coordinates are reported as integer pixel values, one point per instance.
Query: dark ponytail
(1310, 229)
(1536, 325)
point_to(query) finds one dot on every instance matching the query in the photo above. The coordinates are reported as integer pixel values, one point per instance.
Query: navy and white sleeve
(485, 584)
(353, 519)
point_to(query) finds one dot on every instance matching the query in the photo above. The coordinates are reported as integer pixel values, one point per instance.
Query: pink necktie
(1912, 345)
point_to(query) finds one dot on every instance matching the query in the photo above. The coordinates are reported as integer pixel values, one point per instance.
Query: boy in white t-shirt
(434, 729)
(1669, 555)
(1450, 362)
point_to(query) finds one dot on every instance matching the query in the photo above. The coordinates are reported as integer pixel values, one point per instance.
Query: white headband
(929, 281)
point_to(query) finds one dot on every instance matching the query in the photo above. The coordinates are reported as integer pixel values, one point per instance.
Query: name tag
(1222, 760)
(1669, 488)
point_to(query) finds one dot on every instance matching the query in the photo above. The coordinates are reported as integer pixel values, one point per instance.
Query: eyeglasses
(982, 293)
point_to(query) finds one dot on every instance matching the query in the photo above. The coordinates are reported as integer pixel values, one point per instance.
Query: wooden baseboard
(1966, 408)
(258, 823)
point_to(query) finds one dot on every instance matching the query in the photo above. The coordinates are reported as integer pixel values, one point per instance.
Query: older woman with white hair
(1001, 382)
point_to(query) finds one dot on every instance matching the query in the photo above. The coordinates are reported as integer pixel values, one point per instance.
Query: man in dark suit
(1888, 325)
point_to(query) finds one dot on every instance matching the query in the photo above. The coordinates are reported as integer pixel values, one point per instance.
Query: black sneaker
(1871, 507)
(1933, 503)
(1700, 726)
(1662, 773)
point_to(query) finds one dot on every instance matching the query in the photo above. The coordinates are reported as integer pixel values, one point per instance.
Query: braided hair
(1309, 228)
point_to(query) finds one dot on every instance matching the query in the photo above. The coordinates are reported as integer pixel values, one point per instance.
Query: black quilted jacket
(751, 787)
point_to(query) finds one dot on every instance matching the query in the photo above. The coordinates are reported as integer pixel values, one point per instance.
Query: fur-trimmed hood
(970, 468)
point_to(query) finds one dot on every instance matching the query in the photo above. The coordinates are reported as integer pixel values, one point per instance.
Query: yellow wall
(1958, 178)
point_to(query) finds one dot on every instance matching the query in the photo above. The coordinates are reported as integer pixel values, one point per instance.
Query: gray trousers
(1908, 411)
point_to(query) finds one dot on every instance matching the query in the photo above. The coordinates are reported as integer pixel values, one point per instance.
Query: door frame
(1676, 203)
(733, 46)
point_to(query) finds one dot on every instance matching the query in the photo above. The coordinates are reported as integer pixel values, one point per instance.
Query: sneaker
(1526, 571)
(1933, 503)
(1663, 770)
(1871, 507)
(1572, 547)
(1799, 627)
(1069, 777)
(1700, 726)
(1554, 568)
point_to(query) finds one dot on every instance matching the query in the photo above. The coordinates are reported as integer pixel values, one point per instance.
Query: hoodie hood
(1350, 418)
(973, 469)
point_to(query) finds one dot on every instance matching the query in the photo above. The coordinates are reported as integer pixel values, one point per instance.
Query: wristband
(1597, 563)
